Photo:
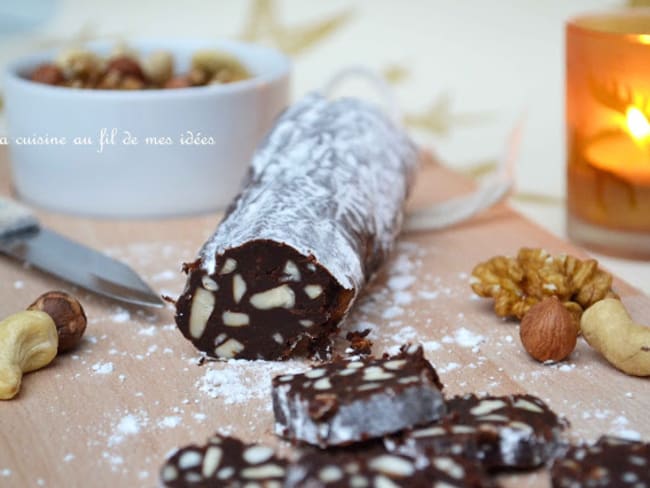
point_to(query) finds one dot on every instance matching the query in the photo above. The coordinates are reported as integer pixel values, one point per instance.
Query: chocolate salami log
(319, 213)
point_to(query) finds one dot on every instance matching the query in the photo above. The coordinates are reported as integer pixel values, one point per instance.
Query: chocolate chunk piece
(357, 399)
(226, 462)
(359, 468)
(514, 431)
(609, 462)
(318, 215)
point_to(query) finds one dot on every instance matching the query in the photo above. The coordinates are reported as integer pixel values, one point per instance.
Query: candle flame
(637, 123)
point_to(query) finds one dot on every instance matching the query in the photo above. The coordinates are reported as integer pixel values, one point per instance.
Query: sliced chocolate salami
(514, 431)
(610, 462)
(318, 215)
(358, 468)
(350, 400)
(225, 462)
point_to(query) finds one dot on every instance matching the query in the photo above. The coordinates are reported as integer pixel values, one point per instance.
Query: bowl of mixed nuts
(152, 128)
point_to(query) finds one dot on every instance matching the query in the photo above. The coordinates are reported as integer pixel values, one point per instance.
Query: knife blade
(22, 238)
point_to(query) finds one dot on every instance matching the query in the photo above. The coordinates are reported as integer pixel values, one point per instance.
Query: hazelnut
(126, 67)
(68, 315)
(50, 74)
(548, 331)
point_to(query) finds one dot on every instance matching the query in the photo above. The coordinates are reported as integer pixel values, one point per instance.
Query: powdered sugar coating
(330, 176)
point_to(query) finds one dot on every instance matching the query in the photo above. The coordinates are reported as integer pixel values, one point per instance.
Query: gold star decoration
(263, 24)
(439, 119)
(395, 73)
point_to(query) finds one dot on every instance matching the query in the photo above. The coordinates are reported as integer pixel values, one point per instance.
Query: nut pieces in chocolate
(498, 432)
(361, 466)
(610, 462)
(352, 400)
(125, 69)
(224, 461)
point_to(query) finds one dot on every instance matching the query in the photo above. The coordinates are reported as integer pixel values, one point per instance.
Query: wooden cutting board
(109, 413)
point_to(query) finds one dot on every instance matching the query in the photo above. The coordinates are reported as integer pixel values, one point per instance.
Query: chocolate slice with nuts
(609, 462)
(351, 400)
(514, 431)
(226, 462)
(318, 215)
(360, 467)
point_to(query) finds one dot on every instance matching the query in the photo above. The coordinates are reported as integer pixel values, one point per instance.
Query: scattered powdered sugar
(68, 457)
(199, 416)
(5, 472)
(448, 367)
(400, 282)
(392, 312)
(403, 298)
(148, 331)
(113, 459)
(170, 422)
(467, 338)
(102, 368)
(238, 381)
(129, 424)
(629, 434)
(121, 316)
(405, 335)
(166, 275)
(567, 367)
(620, 429)
(430, 346)
(428, 295)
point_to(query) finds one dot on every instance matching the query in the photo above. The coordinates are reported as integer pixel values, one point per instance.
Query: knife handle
(15, 218)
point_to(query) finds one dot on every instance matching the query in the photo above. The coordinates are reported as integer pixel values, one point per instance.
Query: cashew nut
(28, 341)
(609, 329)
(158, 67)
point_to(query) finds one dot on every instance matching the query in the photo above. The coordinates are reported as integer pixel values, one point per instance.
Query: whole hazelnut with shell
(548, 331)
(68, 315)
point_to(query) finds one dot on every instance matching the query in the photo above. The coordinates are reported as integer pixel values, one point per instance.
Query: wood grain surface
(107, 414)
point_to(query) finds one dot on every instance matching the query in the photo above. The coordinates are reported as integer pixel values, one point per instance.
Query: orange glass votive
(608, 131)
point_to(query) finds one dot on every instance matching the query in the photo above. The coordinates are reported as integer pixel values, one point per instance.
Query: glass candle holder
(608, 131)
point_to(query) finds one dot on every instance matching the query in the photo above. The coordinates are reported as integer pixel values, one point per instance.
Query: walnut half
(518, 283)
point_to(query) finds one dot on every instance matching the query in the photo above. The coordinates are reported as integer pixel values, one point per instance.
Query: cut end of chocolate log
(317, 216)
(265, 300)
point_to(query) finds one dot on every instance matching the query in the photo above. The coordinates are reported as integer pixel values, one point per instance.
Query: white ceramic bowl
(143, 179)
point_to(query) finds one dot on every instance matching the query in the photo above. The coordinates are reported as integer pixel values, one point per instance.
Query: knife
(22, 238)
